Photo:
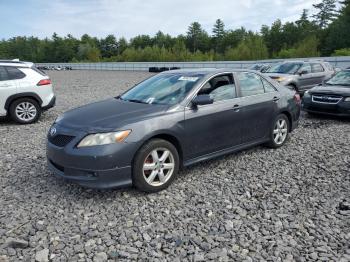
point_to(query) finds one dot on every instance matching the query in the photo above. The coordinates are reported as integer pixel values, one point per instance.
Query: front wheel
(280, 131)
(155, 166)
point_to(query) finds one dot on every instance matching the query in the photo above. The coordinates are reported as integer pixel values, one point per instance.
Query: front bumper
(340, 109)
(97, 179)
(98, 167)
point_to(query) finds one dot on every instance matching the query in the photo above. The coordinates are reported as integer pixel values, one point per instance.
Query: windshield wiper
(340, 84)
(136, 101)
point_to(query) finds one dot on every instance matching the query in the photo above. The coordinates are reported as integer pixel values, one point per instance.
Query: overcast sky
(129, 18)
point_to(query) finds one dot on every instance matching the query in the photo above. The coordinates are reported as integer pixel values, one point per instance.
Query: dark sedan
(331, 98)
(169, 121)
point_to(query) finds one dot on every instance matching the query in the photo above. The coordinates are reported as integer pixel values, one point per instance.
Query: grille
(326, 99)
(60, 140)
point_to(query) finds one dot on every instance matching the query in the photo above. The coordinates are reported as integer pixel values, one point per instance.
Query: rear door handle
(236, 108)
(275, 99)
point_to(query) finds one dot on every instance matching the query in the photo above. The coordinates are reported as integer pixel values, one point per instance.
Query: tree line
(325, 33)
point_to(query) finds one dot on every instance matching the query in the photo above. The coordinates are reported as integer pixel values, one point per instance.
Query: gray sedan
(171, 120)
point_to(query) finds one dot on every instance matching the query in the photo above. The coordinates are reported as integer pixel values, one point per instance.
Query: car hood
(108, 115)
(327, 89)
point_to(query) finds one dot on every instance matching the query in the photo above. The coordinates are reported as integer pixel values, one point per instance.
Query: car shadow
(316, 116)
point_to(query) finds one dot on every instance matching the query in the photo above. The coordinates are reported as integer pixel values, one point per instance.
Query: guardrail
(341, 62)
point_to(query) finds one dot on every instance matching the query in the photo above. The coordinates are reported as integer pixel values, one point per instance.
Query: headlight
(104, 138)
(59, 118)
(283, 78)
(347, 99)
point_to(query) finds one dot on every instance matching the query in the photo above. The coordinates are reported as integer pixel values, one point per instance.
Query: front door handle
(275, 99)
(236, 108)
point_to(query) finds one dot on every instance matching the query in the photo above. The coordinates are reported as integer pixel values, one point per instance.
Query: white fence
(341, 62)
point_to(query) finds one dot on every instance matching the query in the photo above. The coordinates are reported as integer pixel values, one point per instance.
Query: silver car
(299, 75)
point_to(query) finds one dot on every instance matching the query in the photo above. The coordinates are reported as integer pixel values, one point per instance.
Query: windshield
(340, 79)
(256, 67)
(163, 89)
(285, 68)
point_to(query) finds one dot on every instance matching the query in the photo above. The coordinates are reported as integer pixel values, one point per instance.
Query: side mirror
(202, 100)
(304, 72)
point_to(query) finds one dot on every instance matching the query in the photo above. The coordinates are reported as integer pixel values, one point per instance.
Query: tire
(281, 125)
(30, 109)
(168, 167)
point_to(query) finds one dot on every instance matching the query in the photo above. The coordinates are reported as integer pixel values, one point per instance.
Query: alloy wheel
(26, 111)
(158, 167)
(280, 131)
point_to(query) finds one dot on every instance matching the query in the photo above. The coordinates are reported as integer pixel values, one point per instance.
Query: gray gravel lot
(288, 204)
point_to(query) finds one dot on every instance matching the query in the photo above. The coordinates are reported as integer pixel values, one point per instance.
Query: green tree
(141, 41)
(218, 35)
(108, 46)
(273, 37)
(122, 45)
(342, 52)
(197, 38)
(338, 33)
(252, 47)
(326, 12)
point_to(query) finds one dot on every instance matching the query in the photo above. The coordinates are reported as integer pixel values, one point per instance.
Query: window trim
(300, 69)
(195, 92)
(312, 69)
(239, 84)
(274, 88)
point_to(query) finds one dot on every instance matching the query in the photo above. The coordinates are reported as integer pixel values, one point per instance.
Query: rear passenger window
(250, 84)
(268, 86)
(317, 68)
(3, 74)
(14, 73)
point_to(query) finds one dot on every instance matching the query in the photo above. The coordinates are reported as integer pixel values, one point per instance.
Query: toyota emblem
(53, 131)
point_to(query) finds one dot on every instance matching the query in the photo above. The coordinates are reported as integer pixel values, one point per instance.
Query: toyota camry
(169, 121)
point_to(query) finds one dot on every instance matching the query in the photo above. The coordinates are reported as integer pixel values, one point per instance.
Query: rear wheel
(280, 131)
(25, 111)
(156, 166)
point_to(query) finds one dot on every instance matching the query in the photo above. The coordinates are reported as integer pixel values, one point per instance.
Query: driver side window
(305, 67)
(220, 88)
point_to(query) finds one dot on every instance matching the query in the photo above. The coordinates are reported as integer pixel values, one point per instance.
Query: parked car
(25, 91)
(299, 75)
(260, 67)
(171, 120)
(332, 97)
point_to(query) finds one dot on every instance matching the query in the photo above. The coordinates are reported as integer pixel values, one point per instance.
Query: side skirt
(224, 152)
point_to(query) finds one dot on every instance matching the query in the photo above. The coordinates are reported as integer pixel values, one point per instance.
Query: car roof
(206, 71)
(15, 63)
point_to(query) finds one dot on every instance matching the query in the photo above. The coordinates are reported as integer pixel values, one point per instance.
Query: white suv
(25, 91)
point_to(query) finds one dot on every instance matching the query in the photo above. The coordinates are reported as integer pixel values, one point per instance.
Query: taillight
(297, 98)
(44, 82)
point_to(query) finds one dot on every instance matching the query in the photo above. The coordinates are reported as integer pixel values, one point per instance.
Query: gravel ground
(290, 204)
